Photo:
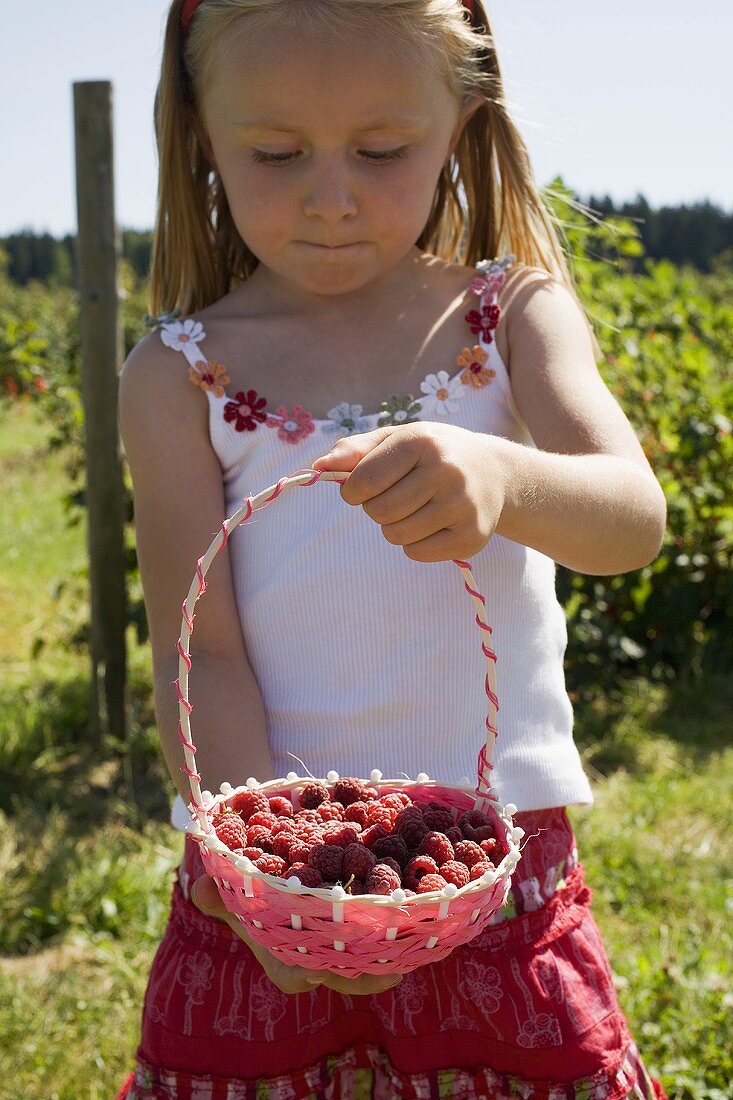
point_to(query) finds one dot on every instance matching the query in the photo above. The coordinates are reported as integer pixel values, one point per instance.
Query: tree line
(697, 235)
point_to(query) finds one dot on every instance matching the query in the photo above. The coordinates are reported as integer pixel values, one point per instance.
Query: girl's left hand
(436, 490)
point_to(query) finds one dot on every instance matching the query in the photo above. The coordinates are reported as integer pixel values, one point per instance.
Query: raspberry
(382, 815)
(417, 867)
(330, 811)
(438, 819)
(370, 794)
(389, 862)
(431, 882)
(357, 811)
(300, 850)
(382, 880)
(469, 853)
(347, 791)
(455, 872)
(412, 832)
(281, 806)
(413, 812)
(396, 800)
(476, 826)
(438, 846)
(283, 825)
(313, 794)
(393, 846)
(356, 887)
(328, 859)
(282, 844)
(309, 817)
(263, 817)
(259, 836)
(231, 830)
(358, 861)
(478, 868)
(473, 818)
(492, 848)
(309, 876)
(248, 802)
(371, 835)
(251, 853)
(341, 833)
(271, 865)
(455, 836)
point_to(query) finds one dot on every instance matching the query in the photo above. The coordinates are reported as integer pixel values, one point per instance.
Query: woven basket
(327, 928)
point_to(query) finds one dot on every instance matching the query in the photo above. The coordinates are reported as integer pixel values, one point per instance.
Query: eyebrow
(400, 122)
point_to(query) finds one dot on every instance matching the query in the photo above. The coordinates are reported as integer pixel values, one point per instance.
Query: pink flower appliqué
(292, 427)
(246, 410)
(484, 322)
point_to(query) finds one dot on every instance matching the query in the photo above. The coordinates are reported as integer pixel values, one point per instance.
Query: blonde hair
(486, 201)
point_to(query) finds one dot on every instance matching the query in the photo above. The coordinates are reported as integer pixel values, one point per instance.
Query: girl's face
(329, 150)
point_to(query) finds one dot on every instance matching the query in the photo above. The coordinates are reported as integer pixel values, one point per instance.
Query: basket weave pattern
(327, 928)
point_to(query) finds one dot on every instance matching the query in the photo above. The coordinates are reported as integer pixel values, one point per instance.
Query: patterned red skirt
(527, 1009)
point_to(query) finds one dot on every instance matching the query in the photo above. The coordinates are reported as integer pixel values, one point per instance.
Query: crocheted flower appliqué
(209, 376)
(291, 426)
(246, 410)
(475, 372)
(179, 334)
(399, 409)
(347, 419)
(442, 393)
(484, 322)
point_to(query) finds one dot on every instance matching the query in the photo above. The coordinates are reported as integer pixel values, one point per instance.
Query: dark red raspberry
(231, 830)
(392, 846)
(330, 811)
(396, 800)
(357, 811)
(478, 868)
(357, 886)
(382, 815)
(473, 818)
(469, 853)
(438, 846)
(412, 832)
(382, 880)
(358, 861)
(438, 819)
(260, 837)
(371, 835)
(476, 826)
(263, 817)
(341, 833)
(280, 805)
(413, 812)
(282, 845)
(328, 859)
(431, 882)
(455, 872)
(347, 791)
(455, 836)
(416, 868)
(271, 865)
(248, 802)
(312, 795)
(309, 876)
(389, 862)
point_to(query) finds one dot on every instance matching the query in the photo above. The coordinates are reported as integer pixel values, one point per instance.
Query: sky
(634, 97)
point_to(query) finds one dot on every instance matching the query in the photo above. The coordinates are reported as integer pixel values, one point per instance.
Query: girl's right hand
(290, 979)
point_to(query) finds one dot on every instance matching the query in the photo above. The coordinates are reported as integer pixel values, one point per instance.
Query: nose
(330, 195)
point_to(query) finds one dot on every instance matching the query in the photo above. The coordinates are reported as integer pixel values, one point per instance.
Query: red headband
(190, 7)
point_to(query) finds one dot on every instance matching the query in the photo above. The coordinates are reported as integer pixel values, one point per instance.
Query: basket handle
(198, 586)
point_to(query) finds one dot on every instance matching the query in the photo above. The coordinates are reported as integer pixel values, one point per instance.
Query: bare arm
(179, 505)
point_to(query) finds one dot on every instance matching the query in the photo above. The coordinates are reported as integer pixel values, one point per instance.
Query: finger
(365, 986)
(444, 546)
(403, 499)
(427, 521)
(391, 459)
(348, 451)
(205, 896)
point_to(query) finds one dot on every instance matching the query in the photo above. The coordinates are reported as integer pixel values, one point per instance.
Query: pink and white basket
(327, 928)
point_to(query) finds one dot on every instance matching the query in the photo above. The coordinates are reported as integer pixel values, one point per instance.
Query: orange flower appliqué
(209, 376)
(475, 372)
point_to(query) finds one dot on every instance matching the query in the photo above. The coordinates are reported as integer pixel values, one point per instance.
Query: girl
(349, 227)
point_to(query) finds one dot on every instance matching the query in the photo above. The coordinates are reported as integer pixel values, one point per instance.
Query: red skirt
(526, 1009)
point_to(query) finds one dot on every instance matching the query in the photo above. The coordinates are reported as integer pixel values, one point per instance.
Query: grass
(86, 851)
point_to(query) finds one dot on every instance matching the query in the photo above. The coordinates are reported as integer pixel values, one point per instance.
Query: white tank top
(364, 658)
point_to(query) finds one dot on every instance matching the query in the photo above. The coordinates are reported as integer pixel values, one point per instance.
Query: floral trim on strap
(440, 393)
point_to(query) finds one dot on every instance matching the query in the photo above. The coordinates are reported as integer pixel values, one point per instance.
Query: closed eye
(372, 156)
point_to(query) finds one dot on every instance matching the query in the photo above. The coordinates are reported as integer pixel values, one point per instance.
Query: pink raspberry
(358, 861)
(396, 800)
(412, 832)
(263, 817)
(478, 868)
(492, 848)
(438, 819)
(280, 806)
(313, 794)
(328, 859)
(309, 817)
(282, 845)
(300, 850)
(358, 812)
(377, 814)
(438, 846)
(231, 830)
(347, 791)
(251, 853)
(330, 811)
(431, 882)
(391, 863)
(271, 865)
(372, 834)
(455, 872)
(248, 802)
(283, 825)
(392, 846)
(309, 876)
(382, 880)
(370, 794)
(341, 833)
(416, 868)
(455, 836)
(468, 852)
(260, 837)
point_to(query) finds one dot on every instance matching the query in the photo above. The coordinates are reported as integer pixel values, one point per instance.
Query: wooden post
(98, 255)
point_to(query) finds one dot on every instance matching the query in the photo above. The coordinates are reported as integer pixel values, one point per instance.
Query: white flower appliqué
(179, 335)
(442, 393)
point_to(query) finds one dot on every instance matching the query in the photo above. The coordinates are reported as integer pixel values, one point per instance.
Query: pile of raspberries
(354, 837)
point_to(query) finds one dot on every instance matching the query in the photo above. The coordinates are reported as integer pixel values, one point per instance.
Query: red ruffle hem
(527, 1009)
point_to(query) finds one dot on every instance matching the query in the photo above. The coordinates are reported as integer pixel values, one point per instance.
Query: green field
(86, 851)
